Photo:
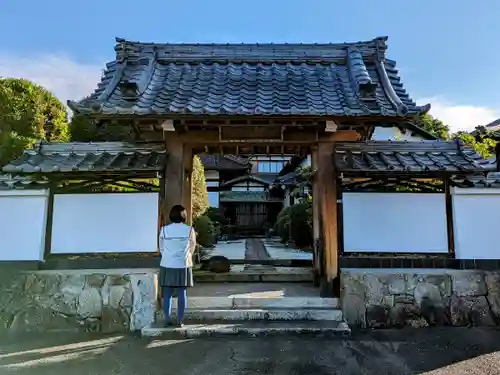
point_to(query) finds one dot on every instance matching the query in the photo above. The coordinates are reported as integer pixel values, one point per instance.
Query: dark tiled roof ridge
(379, 41)
(400, 146)
(44, 147)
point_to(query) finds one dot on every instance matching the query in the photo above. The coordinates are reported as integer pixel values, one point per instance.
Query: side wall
(476, 216)
(78, 300)
(23, 216)
(394, 222)
(418, 298)
(108, 222)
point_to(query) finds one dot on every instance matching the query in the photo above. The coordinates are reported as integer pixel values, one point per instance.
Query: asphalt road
(430, 351)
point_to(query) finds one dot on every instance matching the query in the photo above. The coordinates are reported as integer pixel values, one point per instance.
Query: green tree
(483, 145)
(199, 194)
(86, 129)
(478, 140)
(433, 126)
(28, 112)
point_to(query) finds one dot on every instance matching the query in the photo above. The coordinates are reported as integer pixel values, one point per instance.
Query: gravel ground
(451, 351)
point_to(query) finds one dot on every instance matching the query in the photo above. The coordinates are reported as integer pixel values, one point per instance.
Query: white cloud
(460, 117)
(61, 75)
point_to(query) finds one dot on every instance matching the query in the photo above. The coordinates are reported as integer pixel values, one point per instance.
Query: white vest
(177, 245)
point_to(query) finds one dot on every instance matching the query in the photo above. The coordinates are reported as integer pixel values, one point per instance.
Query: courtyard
(436, 351)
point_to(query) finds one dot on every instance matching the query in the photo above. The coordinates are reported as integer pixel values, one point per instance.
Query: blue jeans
(181, 302)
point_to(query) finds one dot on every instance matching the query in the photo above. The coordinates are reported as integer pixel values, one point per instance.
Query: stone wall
(78, 300)
(396, 298)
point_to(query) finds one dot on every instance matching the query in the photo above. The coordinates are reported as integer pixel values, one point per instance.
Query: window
(270, 164)
(248, 186)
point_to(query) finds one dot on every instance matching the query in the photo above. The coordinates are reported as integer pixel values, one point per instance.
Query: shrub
(205, 229)
(283, 224)
(296, 221)
(215, 215)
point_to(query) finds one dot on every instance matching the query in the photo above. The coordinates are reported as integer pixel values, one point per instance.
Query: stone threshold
(251, 328)
(59, 263)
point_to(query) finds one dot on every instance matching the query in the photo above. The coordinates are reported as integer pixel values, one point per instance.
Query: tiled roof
(345, 79)
(490, 180)
(288, 179)
(406, 157)
(264, 178)
(246, 196)
(223, 162)
(9, 182)
(89, 157)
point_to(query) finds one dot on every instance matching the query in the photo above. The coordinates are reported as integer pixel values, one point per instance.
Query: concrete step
(250, 328)
(259, 303)
(258, 314)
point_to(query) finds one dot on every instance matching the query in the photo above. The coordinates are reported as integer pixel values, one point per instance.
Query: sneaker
(180, 325)
(169, 323)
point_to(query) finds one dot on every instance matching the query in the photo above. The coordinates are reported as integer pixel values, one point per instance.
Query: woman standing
(177, 245)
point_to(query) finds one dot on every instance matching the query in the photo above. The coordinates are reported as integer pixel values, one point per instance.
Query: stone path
(447, 351)
(229, 249)
(255, 249)
(277, 250)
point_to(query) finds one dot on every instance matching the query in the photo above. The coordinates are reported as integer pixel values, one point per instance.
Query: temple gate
(270, 99)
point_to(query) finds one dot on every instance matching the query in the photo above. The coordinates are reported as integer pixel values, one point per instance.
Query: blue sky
(447, 51)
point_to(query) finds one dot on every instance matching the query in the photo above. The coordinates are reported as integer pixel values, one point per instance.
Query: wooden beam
(241, 138)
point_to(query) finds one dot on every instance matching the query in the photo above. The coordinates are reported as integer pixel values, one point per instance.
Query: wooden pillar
(317, 254)
(49, 222)
(187, 178)
(161, 209)
(327, 194)
(174, 173)
(449, 216)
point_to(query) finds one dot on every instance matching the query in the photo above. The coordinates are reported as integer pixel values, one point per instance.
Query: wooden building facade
(266, 99)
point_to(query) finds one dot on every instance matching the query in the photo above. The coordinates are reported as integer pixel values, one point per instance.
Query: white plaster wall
(100, 223)
(394, 222)
(394, 134)
(23, 217)
(476, 219)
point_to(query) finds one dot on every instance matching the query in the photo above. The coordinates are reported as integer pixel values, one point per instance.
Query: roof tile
(349, 79)
(223, 162)
(406, 157)
(84, 157)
